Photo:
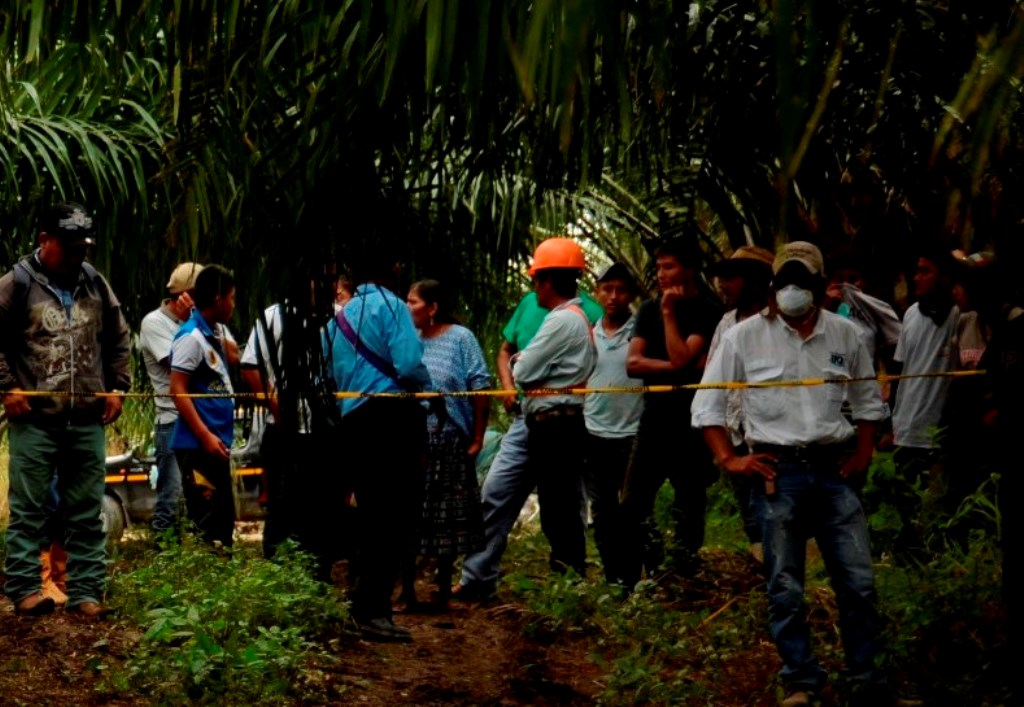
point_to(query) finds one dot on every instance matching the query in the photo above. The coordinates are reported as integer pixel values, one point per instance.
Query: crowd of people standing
(793, 454)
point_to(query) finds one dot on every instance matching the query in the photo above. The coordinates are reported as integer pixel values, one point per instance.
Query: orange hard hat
(563, 253)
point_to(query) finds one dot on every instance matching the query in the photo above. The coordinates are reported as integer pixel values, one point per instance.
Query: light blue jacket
(384, 325)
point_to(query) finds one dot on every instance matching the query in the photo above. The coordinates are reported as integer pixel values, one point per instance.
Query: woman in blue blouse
(452, 523)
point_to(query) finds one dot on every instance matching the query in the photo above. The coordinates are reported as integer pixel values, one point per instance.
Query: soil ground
(474, 654)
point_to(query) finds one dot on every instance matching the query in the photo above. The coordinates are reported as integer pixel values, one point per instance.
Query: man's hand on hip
(751, 465)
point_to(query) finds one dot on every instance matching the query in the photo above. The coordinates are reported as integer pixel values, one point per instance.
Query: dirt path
(473, 655)
(52, 659)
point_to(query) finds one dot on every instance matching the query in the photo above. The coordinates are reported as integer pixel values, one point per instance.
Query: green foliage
(909, 509)
(217, 627)
(683, 640)
(134, 429)
(278, 136)
(942, 617)
(653, 650)
(940, 580)
(564, 602)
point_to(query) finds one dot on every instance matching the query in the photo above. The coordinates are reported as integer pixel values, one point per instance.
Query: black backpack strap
(99, 283)
(22, 281)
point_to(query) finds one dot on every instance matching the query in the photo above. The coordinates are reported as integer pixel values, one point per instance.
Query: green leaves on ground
(219, 627)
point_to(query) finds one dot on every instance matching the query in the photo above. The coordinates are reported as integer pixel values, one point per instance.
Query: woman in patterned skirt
(452, 523)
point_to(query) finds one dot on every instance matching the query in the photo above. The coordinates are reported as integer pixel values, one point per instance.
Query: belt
(807, 453)
(553, 412)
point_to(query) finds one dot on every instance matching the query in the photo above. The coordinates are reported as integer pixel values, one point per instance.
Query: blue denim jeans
(817, 503)
(168, 480)
(505, 489)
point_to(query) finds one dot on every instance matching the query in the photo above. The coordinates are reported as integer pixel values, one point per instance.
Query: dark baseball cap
(617, 271)
(70, 222)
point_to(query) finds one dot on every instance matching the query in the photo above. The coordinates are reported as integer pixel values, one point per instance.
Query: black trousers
(209, 496)
(280, 522)
(382, 456)
(556, 449)
(607, 461)
(305, 497)
(666, 448)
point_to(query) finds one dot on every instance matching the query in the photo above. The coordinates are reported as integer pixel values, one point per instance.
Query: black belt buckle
(551, 413)
(808, 454)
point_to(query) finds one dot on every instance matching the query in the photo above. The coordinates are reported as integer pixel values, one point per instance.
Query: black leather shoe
(472, 592)
(384, 630)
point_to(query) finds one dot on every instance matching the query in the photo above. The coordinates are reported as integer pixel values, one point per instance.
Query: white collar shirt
(765, 349)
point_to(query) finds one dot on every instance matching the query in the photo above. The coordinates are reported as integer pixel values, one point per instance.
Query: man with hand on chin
(668, 347)
(807, 453)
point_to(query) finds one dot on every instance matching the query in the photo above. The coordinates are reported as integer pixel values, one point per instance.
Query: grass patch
(217, 629)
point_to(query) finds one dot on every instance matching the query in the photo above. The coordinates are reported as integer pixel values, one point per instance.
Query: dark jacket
(43, 347)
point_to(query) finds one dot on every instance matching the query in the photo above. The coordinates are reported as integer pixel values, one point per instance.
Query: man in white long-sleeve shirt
(804, 450)
(561, 355)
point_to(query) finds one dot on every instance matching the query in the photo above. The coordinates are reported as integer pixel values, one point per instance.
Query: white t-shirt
(923, 347)
(156, 336)
(613, 415)
(275, 323)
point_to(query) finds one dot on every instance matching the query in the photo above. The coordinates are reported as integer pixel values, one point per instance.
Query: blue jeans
(168, 480)
(505, 489)
(813, 501)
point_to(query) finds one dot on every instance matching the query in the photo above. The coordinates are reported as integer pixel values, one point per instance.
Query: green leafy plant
(218, 626)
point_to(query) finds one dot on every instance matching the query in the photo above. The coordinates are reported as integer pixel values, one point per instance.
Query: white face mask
(794, 301)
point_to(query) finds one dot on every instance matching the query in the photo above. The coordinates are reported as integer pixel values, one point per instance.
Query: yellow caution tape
(534, 392)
